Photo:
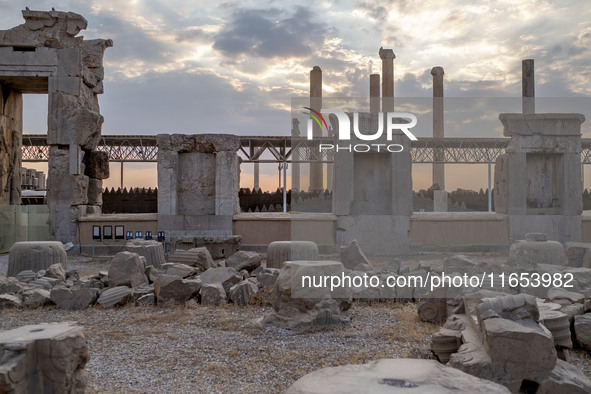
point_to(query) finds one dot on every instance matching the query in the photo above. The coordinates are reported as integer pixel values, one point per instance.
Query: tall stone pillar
(374, 93)
(438, 132)
(256, 176)
(11, 135)
(316, 181)
(387, 56)
(295, 156)
(528, 91)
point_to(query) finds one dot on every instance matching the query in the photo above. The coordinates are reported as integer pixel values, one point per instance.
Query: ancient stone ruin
(45, 55)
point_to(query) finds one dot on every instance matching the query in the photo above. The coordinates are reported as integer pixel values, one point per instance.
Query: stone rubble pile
(129, 279)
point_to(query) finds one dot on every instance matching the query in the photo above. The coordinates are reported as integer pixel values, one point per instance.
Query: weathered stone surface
(96, 164)
(43, 358)
(180, 290)
(213, 294)
(226, 276)
(73, 298)
(147, 299)
(10, 301)
(11, 285)
(36, 298)
(353, 258)
(582, 327)
(572, 310)
(517, 307)
(244, 260)
(11, 110)
(41, 283)
(113, 296)
(280, 251)
(433, 310)
(267, 276)
(179, 270)
(392, 266)
(241, 293)
(393, 376)
(196, 257)
(126, 269)
(578, 254)
(56, 271)
(35, 256)
(531, 253)
(460, 264)
(561, 296)
(567, 379)
(150, 249)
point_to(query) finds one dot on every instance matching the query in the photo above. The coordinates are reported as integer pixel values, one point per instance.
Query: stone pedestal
(35, 256)
(43, 358)
(538, 179)
(440, 198)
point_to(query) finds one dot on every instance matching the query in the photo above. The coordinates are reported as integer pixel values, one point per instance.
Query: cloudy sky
(233, 67)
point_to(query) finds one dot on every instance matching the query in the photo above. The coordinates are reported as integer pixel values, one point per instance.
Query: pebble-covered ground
(191, 348)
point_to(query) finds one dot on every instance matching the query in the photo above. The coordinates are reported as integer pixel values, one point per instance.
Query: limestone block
(241, 293)
(445, 342)
(514, 307)
(43, 358)
(11, 107)
(572, 310)
(73, 298)
(113, 296)
(213, 294)
(393, 376)
(126, 269)
(267, 276)
(226, 276)
(353, 258)
(96, 164)
(95, 192)
(440, 198)
(26, 276)
(280, 251)
(557, 323)
(195, 257)
(150, 249)
(582, 327)
(391, 266)
(561, 296)
(578, 254)
(180, 289)
(63, 186)
(35, 256)
(244, 260)
(178, 270)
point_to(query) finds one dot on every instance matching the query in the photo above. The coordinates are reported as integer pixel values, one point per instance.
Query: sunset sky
(233, 67)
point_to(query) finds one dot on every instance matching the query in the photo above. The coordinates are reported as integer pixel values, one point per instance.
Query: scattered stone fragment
(572, 310)
(180, 289)
(41, 283)
(213, 294)
(178, 270)
(113, 296)
(73, 298)
(43, 358)
(534, 250)
(353, 258)
(280, 251)
(196, 257)
(151, 250)
(445, 342)
(459, 263)
(126, 269)
(557, 323)
(26, 276)
(392, 266)
(11, 286)
(36, 298)
(393, 376)
(56, 271)
(565, 378)
(433, 310)
(582, 327)
(227, 276)
(241, 293)
(244, 260)
(147, 299)
(578, 254)
(10, 301)
(267, 276)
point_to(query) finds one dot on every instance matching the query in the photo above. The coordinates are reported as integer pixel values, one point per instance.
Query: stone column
(316, 181)
(11, 135)
(295, 156)
(256, 176)
(528, 91)
(438, 132)
(387, 56)
(374, 93)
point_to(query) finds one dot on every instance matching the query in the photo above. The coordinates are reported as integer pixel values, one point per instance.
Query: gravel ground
(191, 348)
